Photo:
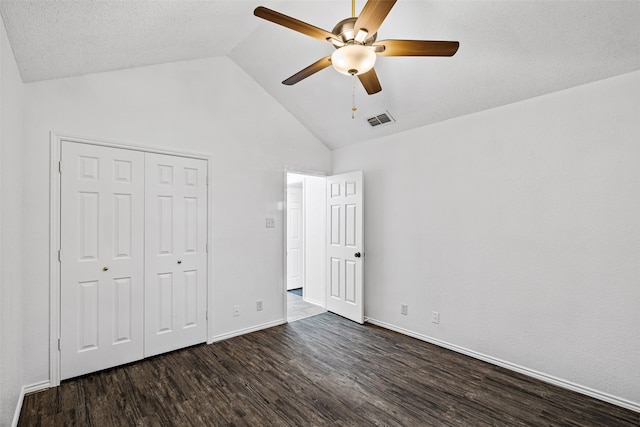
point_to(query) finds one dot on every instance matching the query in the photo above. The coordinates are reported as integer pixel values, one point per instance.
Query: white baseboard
(314, 302)
(634, 406)
(239, 332)
(27, 389)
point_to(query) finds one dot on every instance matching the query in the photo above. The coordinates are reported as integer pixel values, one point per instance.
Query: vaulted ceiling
(509, 51)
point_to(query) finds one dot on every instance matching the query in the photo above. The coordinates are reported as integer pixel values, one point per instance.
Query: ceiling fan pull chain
(353, 96)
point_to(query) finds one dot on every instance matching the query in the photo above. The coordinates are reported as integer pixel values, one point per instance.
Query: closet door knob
(357, 255)
(179, 261)
(105, 268)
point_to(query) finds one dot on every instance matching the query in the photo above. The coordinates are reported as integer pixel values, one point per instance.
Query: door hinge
(206, 247)
(206, 314)
(207, 180)
(59, 346)
(60, 166)
(59, 255)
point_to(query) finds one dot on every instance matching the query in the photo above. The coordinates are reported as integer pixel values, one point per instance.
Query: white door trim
(56, 139)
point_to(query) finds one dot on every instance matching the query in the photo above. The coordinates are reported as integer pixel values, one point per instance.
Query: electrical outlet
(259, 305)
(435, 317)
(404, 309)
(270, 223)
(236, 310)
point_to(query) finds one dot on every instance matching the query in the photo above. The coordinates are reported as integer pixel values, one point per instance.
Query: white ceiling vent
(381, 120)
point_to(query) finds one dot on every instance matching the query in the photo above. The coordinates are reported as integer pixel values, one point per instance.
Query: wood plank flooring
(319, 371)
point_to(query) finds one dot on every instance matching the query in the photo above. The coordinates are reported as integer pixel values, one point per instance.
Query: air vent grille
(381, 119)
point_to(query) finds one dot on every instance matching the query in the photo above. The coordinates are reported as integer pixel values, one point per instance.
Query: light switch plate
(435, 317)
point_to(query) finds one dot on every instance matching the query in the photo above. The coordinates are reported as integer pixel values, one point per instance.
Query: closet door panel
(102, 257)
(175, 254)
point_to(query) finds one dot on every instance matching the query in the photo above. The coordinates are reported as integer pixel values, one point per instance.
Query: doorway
(332, 253)
(305, 245)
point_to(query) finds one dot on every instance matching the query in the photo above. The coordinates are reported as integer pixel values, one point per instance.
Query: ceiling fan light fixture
(353, 59)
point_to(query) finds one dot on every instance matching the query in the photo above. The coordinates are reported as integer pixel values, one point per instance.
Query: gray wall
(519, 225)
(11, 173)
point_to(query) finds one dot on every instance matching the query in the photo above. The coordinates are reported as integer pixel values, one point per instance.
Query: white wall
(521, 226)
(208, 106)
(11, 355)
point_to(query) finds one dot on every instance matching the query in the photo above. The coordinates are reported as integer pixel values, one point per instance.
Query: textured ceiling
(509, 51)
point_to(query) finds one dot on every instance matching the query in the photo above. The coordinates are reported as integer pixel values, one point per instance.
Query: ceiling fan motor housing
(344, 31)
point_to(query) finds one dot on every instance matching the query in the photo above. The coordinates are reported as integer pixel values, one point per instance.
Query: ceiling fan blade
(321, 64)
(372, 15)
(370, 82)
(417, 48)
(292, 23)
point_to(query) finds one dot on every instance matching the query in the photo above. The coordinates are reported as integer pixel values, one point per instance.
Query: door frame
(56, 139)
(288, 170)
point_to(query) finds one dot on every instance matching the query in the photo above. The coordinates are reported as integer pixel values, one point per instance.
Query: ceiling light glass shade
(353, 59)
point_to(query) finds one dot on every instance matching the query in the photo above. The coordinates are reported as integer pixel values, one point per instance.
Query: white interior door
(101, 269)
(345, 249)
(295, 236)
(175, 253)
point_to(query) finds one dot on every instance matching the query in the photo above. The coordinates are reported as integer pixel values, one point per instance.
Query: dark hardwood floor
(322, 370)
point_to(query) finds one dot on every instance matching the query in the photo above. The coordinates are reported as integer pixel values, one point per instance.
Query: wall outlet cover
(435, 317)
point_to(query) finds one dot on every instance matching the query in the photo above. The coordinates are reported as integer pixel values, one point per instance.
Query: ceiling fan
(355, 41)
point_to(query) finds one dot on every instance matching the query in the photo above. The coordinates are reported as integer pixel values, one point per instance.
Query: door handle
(179, 261)
(105, 268)
(357, 255)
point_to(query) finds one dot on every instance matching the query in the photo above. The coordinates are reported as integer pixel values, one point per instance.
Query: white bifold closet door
(102, 258)
(133, 255)
(175, 253)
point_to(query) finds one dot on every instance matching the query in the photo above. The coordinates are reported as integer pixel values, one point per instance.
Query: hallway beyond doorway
(298, 308)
